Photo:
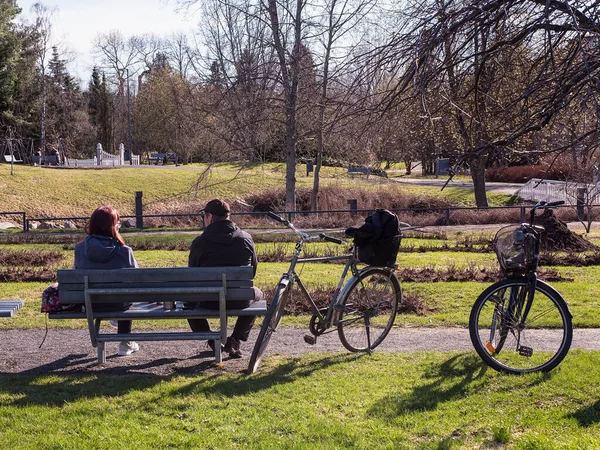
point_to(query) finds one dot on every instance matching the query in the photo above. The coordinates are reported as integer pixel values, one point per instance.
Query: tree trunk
(477, 167)
(289, 74)
(290, 161)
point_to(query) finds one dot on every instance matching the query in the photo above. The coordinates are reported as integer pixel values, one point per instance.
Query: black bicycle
(362, 308)
(521, 324)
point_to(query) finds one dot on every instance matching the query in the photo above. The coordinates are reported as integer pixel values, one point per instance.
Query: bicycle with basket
(363, 305)
(521, 324)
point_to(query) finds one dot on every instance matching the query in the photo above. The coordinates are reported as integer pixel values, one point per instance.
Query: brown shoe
(233, 347)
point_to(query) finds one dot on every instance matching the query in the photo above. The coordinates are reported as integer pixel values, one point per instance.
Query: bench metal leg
(218, 357)
(101, 352)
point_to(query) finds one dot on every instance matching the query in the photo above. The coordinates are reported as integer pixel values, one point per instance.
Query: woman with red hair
(104, 248)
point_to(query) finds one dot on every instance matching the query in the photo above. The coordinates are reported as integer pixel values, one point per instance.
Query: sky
(77, 22)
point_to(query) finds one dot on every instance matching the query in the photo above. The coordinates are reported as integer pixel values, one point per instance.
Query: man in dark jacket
(223, 244)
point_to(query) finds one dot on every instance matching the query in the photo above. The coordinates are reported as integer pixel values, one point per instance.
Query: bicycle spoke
(369, 309)
(509, 345)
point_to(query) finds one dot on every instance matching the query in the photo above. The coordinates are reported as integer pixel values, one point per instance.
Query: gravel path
(70, 351)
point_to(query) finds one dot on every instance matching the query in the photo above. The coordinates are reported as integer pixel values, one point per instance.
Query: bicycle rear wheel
(368, 309)
(270, 322)
(508, 345)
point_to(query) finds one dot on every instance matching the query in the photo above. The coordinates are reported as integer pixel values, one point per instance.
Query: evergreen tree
(9, 56)
(99, 108)
(67, 116)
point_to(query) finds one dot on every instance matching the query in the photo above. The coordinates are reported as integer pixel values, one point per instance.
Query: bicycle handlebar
(330, 239)
(544, 205)
(302, 234)
(280, 219)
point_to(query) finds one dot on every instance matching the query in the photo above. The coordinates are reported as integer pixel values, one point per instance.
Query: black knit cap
(217, 208)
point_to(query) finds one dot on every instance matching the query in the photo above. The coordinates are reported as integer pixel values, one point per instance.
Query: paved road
(497, 188)
(70, 350)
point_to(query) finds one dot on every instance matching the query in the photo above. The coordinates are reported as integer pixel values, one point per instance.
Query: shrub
(522, 174)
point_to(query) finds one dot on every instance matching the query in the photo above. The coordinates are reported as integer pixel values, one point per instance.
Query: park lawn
(49, 192)
(449, 302)
(425, 400)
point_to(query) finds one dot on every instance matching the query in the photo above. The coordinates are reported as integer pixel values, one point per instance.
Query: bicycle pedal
(526, 351)
(310, 339)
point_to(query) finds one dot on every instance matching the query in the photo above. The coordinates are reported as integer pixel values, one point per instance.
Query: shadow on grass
(443, 383)
(588, 416)
(452, 380)
(285, 372)
(58, 383)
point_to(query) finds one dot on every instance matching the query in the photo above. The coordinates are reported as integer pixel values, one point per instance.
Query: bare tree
(506, 68)
(241, 76)
(118, 58)
(180, 53)
(338, 19)
(117, 55)
(43, 26)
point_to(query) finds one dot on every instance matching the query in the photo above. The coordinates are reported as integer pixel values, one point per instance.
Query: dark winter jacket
(101, 252)
(223, 244)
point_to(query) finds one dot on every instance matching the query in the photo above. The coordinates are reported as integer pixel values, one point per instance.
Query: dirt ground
(70, 351)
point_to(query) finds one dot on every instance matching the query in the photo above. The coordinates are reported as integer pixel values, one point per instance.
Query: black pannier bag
(378, 240)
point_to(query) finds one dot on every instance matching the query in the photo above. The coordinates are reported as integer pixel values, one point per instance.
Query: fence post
(523, 217)
(447, 216)
(139, 218)
(309, 167)
(25, 223)
(353, 205)
(99, 154)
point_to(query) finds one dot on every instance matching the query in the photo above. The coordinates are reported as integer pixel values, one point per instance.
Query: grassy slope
(48, 192)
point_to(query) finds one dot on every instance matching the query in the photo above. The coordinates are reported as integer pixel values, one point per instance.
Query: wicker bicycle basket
(516, 248)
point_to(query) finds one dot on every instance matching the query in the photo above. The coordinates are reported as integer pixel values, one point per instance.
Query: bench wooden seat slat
(157, 311)
(155, 275)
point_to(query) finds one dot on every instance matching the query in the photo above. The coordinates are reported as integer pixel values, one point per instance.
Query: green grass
(450, 302)
(328, 401)
(49, 192)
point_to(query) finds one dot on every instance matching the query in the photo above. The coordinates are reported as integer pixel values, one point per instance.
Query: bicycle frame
(518, 307)
(330, 317)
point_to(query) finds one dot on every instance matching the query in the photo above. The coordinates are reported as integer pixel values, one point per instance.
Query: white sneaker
(126, 348)
(114, 323)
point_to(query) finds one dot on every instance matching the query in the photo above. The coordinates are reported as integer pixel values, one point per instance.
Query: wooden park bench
(9, 308)
(13, 159)
(163, 158)
(155, 158)
(146, 286)
(360, 171)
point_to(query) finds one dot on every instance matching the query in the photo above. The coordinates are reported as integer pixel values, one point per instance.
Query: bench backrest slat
(170, 274)
(64, 287)
(238, 279)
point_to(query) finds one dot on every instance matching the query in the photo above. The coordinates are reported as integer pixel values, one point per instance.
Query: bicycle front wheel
(508, 343)
(368, 309)
(270, 323)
